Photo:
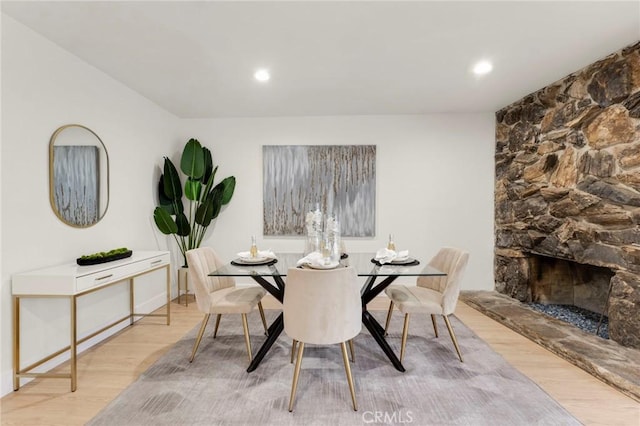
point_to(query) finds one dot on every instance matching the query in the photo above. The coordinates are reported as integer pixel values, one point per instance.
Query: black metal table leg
(377, 332)
(275, 329)
(368, 293)
(276, 326)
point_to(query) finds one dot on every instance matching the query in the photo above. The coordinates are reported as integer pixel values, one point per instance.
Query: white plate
(402, 261)
(250, 260)
(332, 265)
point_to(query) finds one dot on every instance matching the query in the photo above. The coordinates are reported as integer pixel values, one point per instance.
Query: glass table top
(362, 262)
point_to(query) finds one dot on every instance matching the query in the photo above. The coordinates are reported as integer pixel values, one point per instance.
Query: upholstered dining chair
(322, 307)
(431, 295)
(219, 295)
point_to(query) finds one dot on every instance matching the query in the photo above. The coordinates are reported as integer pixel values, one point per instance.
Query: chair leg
(352, 350)
(215, 330)
(405, 332)
(293, 349)
(200, 333)
(386, 324)
(296, 374)
(453, 336)
(264, 321)
(435, 326)
(245, 325)
(347, 369)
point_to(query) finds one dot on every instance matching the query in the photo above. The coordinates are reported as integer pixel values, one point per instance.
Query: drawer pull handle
(104, 278)
(155, 262)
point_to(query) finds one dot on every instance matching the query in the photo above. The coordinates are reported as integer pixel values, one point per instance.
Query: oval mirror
(78, 176)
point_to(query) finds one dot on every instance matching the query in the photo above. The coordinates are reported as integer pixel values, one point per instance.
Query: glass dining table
(271, 277)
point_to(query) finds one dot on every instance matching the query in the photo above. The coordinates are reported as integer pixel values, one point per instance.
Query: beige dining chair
(432, 295)
(322, 307)
(219, 295)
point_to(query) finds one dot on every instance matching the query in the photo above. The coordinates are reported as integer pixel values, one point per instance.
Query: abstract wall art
(340, 179)
(76, 183)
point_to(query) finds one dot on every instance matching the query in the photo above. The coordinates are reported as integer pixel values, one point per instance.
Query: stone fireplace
(567, 197)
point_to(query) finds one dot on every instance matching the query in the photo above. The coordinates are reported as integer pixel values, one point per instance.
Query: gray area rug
(436, 389)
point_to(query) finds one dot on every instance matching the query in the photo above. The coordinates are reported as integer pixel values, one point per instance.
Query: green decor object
(104, 256)
(204, 199)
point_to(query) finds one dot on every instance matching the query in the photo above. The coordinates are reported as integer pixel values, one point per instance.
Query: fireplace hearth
(605, 359)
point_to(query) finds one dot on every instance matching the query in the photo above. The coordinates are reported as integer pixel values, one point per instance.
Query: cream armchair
(322, 307)
(431, 295)
(219, 295)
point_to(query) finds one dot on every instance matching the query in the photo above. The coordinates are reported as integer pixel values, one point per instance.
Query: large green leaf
(208, 165)
(183, 225)
(216, 209)
(216, 196)
(204, 213)
(228, 186)
(164, 221)
(210, 207)
(192, 161)
(178, 206)
(208, 184)
(163, 200)
(192, 189)
(171, 181)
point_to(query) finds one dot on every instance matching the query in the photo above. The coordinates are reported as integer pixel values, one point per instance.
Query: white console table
(72, 281)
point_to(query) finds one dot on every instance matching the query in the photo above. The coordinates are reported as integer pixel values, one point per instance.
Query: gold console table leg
(73, 349)
(16, 342)
(169, 294)
(131, 303)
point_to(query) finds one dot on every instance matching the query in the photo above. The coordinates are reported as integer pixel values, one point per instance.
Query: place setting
(317, 260)
(255, 257)
(390, 256)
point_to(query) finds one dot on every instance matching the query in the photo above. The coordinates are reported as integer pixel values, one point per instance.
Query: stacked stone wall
(567, 165)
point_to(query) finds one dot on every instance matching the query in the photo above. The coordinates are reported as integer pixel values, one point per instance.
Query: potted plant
(204, 199)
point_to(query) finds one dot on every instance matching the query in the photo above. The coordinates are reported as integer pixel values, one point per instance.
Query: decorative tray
(109, 258)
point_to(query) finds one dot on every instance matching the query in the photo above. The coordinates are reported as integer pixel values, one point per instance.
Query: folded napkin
(316, 259)
(384, 255)
(261, 254)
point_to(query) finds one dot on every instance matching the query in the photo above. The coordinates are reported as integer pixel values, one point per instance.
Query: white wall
(44, 87)
(434, 180)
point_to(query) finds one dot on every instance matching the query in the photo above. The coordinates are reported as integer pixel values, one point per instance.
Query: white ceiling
(196, 59)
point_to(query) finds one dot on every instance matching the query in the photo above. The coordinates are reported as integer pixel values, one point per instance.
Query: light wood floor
(105, 370)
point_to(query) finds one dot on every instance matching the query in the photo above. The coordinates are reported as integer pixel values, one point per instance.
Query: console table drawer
(115, 274)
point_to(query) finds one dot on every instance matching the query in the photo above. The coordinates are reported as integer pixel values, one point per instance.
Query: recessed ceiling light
(262, 75)
(482, 67)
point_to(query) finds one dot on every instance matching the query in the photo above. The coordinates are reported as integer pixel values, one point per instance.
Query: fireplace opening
(572, 292)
